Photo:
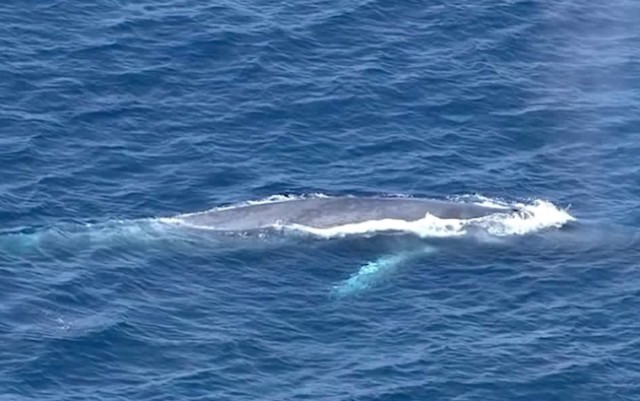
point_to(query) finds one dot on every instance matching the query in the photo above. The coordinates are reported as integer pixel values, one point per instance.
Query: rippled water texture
(119, 117)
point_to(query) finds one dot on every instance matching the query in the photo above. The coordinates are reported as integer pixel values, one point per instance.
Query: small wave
(286, 197)
(268, 199)
(84, 235)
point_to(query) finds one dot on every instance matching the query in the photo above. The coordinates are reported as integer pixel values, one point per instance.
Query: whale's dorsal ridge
(325, 212)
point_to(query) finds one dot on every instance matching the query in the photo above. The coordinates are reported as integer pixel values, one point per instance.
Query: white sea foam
(429, 226)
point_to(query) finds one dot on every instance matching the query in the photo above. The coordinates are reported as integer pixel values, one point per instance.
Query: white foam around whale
(531, 216)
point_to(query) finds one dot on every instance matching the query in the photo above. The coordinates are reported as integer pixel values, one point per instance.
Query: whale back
(331, 212)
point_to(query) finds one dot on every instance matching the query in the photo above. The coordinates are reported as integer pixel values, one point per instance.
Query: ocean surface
(118, 118)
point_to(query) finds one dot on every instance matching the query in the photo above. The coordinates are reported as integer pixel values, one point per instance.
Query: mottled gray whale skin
(332, 212)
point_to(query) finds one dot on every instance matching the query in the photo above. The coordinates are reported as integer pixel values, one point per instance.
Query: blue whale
(329, 212)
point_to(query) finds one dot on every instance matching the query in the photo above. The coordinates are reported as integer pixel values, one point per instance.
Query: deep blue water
(117, 114)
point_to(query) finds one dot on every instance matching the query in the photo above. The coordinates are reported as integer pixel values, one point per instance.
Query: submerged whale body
(323, 213)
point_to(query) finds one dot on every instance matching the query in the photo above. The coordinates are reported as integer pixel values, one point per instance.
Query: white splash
(429, 226)
(534, 216)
